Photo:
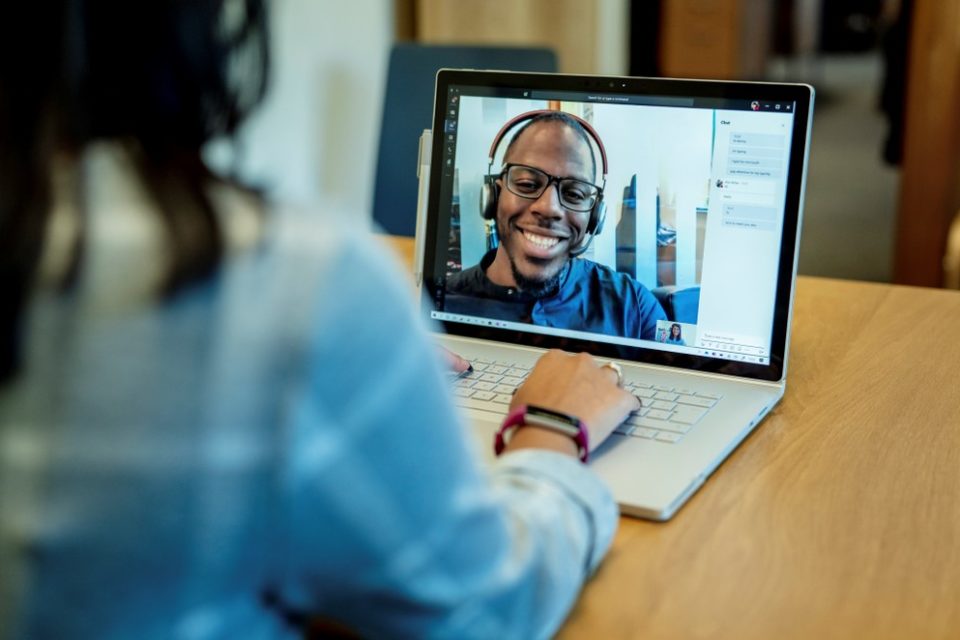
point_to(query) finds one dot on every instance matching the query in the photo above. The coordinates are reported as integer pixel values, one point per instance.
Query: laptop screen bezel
(800, 95)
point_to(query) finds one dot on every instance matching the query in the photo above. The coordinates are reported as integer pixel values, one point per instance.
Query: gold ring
(617, 370)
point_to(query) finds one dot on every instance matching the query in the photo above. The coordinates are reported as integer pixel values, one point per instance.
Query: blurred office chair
(681, 304)
(408, 110)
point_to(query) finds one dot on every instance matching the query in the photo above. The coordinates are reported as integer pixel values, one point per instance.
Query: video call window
(694, 201)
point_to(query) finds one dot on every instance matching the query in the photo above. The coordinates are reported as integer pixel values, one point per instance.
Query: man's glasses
(530, 182)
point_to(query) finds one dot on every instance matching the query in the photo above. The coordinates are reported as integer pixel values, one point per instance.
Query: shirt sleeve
(393, 526)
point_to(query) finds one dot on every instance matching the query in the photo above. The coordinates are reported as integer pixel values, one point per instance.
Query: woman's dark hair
(677, 327)
(165, 76)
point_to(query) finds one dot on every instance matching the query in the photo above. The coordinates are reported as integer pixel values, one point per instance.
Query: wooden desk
(839, 517)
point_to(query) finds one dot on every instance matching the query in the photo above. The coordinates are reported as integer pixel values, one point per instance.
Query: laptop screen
(651, 220)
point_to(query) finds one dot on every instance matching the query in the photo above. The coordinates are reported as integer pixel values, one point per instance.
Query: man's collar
(514, 294)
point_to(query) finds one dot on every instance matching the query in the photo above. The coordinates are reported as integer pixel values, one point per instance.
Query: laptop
(680, 268)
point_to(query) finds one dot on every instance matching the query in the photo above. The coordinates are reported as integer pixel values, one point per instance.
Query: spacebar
(483, 405)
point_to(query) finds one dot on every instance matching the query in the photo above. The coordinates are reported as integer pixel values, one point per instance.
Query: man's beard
(536, 288)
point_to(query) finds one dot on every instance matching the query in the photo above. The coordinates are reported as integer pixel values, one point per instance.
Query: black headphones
(490, 192)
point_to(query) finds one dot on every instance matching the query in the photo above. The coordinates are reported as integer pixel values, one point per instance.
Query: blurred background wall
(313, 139)
(884, 181)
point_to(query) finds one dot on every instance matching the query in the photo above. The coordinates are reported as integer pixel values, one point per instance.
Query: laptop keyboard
(667, 415)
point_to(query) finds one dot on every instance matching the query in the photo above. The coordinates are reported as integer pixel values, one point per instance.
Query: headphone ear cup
(489, 193)
(598, 216)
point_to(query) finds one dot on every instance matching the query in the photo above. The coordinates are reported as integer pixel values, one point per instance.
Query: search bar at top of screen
(611, 98)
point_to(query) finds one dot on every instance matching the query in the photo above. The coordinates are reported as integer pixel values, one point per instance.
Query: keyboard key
(460, 392)
(665, 436)
(479, 366)
(643, 432)
(503, 398)
(483, 360)
(495, 368)
(658, 414)
(665, 395)
(483, 386)
(651, 423)
(660, 387)
(633, 417)
(641, 412)
(517, 373)
(663, 425)
(687, 415)
(674, 427)
(511, 380)
(490, 377)
(711, 396)
(623, 429)
(663, 405)
(503, 388)
(484, 395)
(696, 401)
(466, 383)
(644, 393)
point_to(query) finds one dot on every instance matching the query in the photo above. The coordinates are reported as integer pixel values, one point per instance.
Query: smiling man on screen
(547, 206)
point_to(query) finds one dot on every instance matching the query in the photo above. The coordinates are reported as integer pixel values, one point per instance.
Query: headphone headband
(530, 115)
(490, 192)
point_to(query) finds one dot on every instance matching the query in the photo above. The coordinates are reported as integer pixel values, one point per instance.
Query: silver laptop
(650, 222)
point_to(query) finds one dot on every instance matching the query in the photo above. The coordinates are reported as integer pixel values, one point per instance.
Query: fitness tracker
(529, 415)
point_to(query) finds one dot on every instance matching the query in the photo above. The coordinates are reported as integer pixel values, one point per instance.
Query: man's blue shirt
(590, 297)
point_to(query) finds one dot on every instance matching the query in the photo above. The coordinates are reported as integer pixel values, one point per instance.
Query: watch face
(545, 418)
(553, 420)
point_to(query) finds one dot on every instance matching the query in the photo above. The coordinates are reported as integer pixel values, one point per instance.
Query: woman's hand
(454, 363)
(577, 385)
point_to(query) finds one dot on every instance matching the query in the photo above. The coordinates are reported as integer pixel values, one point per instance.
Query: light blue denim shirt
(282, 435)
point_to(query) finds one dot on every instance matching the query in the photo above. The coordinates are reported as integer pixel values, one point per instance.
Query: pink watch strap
(529, 415)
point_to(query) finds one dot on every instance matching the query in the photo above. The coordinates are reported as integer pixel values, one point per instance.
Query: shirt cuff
(579, 484)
